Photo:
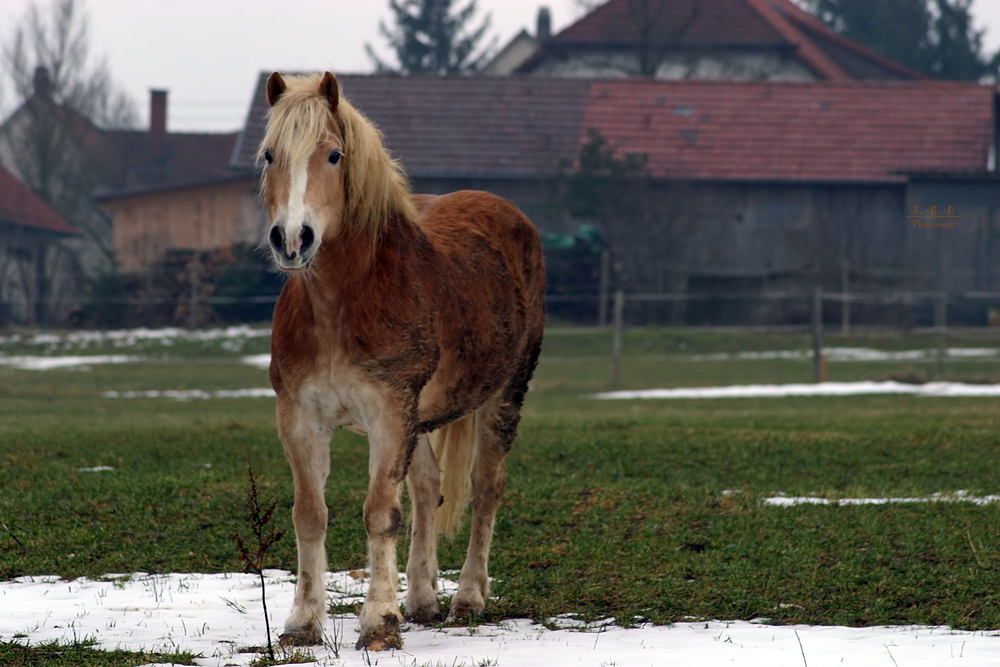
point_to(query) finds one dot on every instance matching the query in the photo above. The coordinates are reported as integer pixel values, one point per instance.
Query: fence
(788, 310)
(938, 301)
(887, 309)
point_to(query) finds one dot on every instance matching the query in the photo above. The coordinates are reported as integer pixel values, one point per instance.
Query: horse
(414, 319)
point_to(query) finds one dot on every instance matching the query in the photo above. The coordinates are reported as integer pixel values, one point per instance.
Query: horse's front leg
(390, 442)
(307, 448)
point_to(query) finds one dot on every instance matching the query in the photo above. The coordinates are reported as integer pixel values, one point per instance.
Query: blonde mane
(376, 184)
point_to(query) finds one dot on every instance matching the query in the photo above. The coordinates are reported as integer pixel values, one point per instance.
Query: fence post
(602, 298)
(195, 279)
(616, 339)
(845, 304)
(942, 327)
(819, 363)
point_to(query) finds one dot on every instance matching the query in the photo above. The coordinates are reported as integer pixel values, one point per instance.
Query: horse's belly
(455, 390)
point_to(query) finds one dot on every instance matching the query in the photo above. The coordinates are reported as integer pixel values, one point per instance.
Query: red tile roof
(801, 132)
(509, 127)
(728, 23)
(20, 206)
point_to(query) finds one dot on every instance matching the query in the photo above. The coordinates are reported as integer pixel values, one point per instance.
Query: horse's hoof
(301, 637)
(424, 616)
(382, 638)
(463, 612)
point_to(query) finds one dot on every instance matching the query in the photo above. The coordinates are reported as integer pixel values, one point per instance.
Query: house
(132, 194)
(175, 191)
(730, 40)
(749, 186)
(30, 253)
(55, 151)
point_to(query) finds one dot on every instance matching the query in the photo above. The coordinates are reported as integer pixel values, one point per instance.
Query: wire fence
(775, 310)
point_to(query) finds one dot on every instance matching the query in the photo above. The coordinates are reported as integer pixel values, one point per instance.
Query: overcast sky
(208, 53)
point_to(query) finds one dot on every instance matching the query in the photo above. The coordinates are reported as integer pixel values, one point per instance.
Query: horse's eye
(335, 156)
(269, 156)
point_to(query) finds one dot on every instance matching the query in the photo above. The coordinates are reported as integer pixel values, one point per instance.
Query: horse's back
(458, 222)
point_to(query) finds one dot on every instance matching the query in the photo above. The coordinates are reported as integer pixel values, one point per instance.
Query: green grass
(613, 508)
(82, 653)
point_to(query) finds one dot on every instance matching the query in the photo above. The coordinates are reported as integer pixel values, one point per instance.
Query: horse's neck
(346, 268)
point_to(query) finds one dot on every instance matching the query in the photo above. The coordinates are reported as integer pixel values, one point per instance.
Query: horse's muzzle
(292, 252)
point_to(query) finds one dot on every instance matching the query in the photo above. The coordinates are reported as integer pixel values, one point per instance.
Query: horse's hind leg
(424, 483)
(496, 423)
(308, 452)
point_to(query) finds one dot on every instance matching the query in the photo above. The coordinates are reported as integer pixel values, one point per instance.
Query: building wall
(203, 218)
(960, 252)
(765, 234)
(670, 234)
(27, 258)
(715, 65)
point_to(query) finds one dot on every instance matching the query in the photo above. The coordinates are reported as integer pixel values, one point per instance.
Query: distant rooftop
(526, 127)
(775, 26)
(22, 207)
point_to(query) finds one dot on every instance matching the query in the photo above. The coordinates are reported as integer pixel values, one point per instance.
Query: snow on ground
(782, 500)
(850, 354)
(220, 615)
(33, 363)
(130, 337)
(189, 394)
(939, 389)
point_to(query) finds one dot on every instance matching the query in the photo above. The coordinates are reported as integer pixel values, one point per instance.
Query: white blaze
(296, 206)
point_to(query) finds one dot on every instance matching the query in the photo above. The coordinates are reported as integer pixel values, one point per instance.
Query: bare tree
(655, 36)
(62, 101)
(60, 43)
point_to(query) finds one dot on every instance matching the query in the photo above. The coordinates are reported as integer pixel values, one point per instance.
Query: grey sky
(208, 53)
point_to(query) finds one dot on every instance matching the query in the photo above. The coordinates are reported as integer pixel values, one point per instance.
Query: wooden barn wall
(963, 254)
(760, 236)
(217, 216)
(732, 235)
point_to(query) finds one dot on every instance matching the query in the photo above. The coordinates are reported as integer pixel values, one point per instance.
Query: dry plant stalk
(265, 535)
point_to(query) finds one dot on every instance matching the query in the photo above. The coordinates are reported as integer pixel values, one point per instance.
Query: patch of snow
(28, 363)
(258, 360)
(189, 394)
(129, 337)
(95, 469)
(957, 497)
(837, 354)
(218, 615)
(947, 389)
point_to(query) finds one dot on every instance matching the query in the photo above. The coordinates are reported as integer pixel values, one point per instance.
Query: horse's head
(303, 183)
(326, 170)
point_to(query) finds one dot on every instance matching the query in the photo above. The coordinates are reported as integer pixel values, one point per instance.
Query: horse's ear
(329, 89)
(275, 87)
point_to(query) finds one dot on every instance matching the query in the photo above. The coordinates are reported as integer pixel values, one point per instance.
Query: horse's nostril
(307, 237)
(276, 237)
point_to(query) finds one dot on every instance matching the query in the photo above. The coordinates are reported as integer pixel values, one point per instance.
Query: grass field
(634, 509)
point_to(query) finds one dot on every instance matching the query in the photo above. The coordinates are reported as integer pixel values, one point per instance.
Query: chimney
(543, 30)
(43, 83)
(157, 121)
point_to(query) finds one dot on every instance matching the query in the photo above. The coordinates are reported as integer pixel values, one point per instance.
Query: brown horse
(416, 320)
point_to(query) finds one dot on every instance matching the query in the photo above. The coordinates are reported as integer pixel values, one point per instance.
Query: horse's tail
(454, 447)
